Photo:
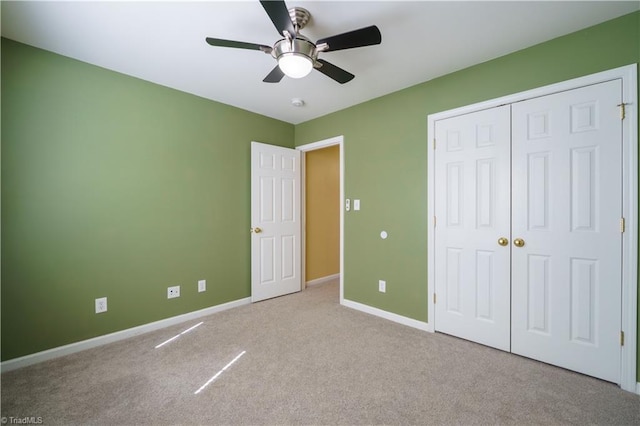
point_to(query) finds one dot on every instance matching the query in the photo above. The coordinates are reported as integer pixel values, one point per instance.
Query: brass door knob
(256, 230)
(503, 241)
(518, 242)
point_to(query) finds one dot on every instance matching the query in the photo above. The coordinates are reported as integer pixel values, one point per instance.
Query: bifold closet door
(472, 181)
(567, 206)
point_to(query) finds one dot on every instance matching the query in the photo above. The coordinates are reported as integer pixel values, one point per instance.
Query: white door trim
(628, 74)
(337, 140)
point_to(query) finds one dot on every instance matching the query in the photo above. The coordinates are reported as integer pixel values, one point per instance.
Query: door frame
(629, 320)
(337, 140)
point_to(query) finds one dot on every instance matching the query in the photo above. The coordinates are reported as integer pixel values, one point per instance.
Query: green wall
(386, 154)
(112, 186)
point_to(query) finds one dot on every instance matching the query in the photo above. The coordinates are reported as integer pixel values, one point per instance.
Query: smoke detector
(297, 102)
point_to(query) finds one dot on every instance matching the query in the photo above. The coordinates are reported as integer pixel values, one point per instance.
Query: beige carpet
(307, 360)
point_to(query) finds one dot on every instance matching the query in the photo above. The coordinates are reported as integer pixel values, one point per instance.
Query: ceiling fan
(295, 53)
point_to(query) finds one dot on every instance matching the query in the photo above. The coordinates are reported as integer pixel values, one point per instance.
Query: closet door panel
(472, 210)
(566, 206)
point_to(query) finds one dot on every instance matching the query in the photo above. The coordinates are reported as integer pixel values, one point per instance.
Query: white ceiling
(164, 42)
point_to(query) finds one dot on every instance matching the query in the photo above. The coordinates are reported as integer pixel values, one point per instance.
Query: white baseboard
(388, 315)
(37, 357)
(322, 280)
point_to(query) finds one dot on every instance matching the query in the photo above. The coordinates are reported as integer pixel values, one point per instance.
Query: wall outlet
(202, 286)
(173, 292)
(382, 286)
(101, 305)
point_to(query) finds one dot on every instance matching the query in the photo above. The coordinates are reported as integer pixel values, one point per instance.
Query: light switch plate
(356, 204)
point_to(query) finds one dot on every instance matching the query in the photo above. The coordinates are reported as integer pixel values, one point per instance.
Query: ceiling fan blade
(274, 76)
(237, 44)
(357, 38)
(279, 14)
(334, 72)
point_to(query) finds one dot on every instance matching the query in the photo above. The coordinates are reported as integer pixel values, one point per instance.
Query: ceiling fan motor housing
(299, 45)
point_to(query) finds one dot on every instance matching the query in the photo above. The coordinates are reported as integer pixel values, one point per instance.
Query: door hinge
(434, 298)
(622, 224)
(434, 221)
(622, 338)
(434, 143)
(622, 110)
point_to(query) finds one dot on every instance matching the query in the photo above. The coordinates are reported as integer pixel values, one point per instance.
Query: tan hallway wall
(322, 189)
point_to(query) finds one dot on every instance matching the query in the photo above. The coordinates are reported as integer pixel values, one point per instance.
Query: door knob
(503, 241)
(256, 230)
(518, 242)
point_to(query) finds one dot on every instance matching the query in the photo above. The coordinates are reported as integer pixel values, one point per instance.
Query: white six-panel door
(567, 206)
(275, 221)
(472, 210)
(545, 174)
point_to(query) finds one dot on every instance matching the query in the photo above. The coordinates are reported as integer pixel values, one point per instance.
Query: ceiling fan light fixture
(295, 65)
(295, 56)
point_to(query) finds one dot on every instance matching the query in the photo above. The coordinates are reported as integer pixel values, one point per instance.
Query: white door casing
(275, 221)
(567, 206)
(472, 206)
(339, 141)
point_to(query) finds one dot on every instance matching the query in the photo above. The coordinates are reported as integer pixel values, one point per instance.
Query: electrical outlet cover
(173, 292)
(202, 286)
(101, 305)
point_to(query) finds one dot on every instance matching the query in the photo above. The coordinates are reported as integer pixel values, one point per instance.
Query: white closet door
(472, 181)
(567, 205)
